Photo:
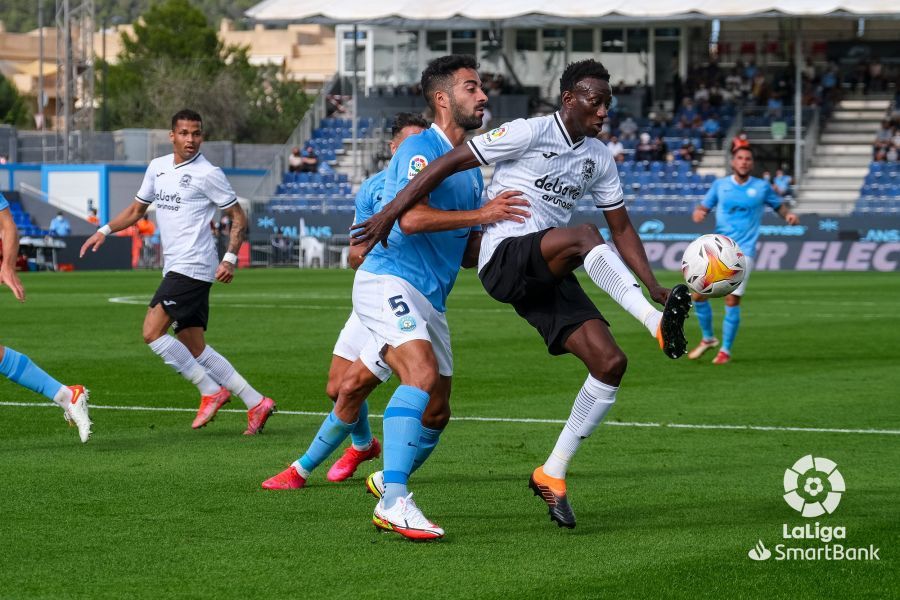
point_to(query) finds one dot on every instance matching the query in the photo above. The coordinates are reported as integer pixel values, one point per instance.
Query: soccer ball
(713, 265)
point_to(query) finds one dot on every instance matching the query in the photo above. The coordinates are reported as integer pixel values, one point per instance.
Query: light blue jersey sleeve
(3, 203)
(369, 197)
(712, 196)
(772, 198)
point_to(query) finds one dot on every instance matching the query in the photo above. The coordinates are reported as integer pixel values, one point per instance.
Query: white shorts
(357, 342)
(743, 287)
(395, 313)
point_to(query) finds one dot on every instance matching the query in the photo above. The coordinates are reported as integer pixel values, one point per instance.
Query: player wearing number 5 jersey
(400, 291)
(556, 161)
(187, 190)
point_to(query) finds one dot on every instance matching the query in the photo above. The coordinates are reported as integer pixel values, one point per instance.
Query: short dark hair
(747, 148)
(582, 69)
(405, 119)
(439, 72)
(186, 114)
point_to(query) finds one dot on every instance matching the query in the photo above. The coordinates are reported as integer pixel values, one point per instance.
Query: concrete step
(844, 149)
(848, 138)
(805, 195)
(842, 172)
(843, 208)
(847, 160)
(864, 104)
(852, 126)
(863, 115)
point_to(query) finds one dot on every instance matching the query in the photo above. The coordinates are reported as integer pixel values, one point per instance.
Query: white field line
(498, 419)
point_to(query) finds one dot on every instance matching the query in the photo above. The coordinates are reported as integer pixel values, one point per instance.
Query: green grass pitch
(152, 509)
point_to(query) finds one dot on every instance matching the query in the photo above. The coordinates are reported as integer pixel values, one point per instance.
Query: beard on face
(466, 121)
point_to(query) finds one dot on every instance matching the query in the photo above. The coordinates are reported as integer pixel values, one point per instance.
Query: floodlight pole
(798, 103)
(40, 94)
(355, 92)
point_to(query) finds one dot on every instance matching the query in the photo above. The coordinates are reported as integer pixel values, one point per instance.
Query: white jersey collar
(562, 130)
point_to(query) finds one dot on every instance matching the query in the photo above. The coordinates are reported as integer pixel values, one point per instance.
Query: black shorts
(185, 300)
(517, 274)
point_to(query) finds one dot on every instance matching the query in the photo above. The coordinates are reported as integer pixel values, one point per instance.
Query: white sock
(176, 355)
(218, 367)
(63, 397)
(593, 402)
(300, 470)
(611, 275)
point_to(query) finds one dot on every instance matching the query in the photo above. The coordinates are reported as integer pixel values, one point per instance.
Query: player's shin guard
(402, 431)
(176, 355)
(730, 327)
(593, 402)
(703, 311)
(361, 435)
(427, 443)
(20, 369)
(223, 373)
(331, 435)
(611, 275)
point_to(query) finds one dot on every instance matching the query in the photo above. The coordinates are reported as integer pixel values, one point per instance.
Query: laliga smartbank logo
(813, 486)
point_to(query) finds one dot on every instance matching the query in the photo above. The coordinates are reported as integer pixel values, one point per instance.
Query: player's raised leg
(176, 355)
(259, 407)
(20, 369)
(595, 346)
(567, 248)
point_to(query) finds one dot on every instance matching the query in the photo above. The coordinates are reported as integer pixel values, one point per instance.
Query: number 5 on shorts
(399, 307)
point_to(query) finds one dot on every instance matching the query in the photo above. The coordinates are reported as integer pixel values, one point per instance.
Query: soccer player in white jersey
(18, 367)
(557, 161)
(356, 366)
(739, 201)
(187, 190)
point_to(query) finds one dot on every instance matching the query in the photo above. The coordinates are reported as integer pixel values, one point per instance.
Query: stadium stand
(24, 223)
(880, 192)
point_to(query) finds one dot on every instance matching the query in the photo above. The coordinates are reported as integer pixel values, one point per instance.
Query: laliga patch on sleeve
(416, 164)
(495, 134)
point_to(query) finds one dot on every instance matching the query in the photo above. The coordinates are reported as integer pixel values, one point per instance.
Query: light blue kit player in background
(18, 367)
(739, 201)
(400, 291)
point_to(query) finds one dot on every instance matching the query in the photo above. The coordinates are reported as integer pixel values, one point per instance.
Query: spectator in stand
(886, 133)
(628, 129)
(687, 151)
(660, 149)
(644, 150)
(309, 162)
(59, 226)
(3, 159)
(616, 148)
(702, 94)
(295, 161)
(92, 217)
(774, 106)
(782, 183)
(711, 129)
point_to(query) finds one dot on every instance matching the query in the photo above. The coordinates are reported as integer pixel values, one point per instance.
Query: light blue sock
(402, 430)
(703, 311)
(361, 436)
(331, 434)
(427, 442)
(19, 368)
(730, 326)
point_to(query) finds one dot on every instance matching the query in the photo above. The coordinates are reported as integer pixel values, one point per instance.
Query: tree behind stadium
(176, 60)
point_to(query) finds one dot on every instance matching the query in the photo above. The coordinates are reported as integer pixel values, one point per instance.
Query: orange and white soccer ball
(713, 265)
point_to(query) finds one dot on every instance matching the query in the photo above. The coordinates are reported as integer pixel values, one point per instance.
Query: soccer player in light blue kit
(18, 367)
(356, 366)
(739, 201)
(401, 289)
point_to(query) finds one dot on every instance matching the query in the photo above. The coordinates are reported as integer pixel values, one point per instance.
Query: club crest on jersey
(416, 164)
(185, 181)
(406, 324)
(587, 170)
(495, 134)
(751, 192)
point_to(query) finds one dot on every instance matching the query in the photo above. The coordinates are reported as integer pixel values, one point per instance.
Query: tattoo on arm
(238, 224)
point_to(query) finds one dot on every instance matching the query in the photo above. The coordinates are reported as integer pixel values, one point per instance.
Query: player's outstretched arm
(8, 276)
(225, 270)
(631, 249)
(377, 228)
(507, 206)
(785, 213)
(125, 219)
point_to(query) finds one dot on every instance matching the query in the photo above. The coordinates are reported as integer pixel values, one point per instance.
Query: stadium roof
(464, 14)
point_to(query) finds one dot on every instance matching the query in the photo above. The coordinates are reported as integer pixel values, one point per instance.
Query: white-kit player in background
(187, 190)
